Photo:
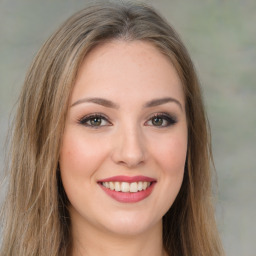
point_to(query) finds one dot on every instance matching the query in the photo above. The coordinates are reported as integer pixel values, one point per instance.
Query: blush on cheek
(173, 154)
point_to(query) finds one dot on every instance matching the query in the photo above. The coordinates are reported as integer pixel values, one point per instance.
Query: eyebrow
(157, 102)
(99, 101)
(110, 104)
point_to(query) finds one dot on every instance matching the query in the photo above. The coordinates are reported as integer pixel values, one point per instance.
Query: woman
(110, 152)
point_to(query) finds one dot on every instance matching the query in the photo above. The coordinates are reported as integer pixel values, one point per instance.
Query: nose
(130, 148)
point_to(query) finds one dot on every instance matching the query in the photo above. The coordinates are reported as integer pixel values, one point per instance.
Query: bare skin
(126, 118)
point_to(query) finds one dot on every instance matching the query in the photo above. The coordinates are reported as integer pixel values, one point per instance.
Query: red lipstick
(142, 188)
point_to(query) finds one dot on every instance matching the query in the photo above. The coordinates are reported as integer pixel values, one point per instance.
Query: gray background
(221, 37)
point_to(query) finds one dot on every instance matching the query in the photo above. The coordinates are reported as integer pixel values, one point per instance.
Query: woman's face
(125, 140)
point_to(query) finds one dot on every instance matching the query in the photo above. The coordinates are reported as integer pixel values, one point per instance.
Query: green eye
(95, 121)
(157, 121)
(161, 120)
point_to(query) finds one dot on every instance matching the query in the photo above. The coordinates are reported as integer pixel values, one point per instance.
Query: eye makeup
(95, 120)
(161, 120)
(158, 120)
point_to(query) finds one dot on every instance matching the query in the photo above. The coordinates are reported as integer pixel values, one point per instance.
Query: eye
(161, 120)
(94, 121)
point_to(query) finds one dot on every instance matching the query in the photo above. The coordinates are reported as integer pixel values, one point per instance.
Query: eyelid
(172, 119)
(167, 117)
(86, 118)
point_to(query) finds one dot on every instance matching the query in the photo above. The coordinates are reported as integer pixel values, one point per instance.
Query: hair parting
(35, 214)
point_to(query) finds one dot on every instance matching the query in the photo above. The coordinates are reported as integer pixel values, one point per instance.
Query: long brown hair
(35, 217)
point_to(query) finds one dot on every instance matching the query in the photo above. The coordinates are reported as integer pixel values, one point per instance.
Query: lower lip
(129, 197)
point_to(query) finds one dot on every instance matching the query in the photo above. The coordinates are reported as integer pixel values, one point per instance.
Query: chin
(132, 224)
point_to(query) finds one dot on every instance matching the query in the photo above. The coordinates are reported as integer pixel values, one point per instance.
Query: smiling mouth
(125, 187)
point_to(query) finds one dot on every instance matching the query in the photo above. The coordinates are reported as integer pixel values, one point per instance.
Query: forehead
(125, 67)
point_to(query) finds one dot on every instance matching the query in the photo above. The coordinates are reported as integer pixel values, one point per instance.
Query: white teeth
(117, 186)
(106, 184)
(133, 187)
(111, 185)
(127, 187)
(140, 186)
(144, 185)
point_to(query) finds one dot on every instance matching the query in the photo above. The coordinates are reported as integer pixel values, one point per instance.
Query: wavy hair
(35, 217)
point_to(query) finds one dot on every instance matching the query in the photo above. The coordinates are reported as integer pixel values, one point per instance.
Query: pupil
(157, 121)
(96, 121)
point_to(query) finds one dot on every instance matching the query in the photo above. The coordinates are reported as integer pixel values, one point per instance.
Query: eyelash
(84, 120)
(167, 120)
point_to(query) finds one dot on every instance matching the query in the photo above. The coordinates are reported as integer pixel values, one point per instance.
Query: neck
(91, 242)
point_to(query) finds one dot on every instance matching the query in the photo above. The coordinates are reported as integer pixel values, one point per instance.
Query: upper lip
(128, 179)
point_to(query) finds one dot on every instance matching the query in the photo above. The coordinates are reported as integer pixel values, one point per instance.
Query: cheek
(170, 156)
(174, 155)
(171, 153)
(80, 155)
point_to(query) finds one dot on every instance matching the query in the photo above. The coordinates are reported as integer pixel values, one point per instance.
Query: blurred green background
(221, 38)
